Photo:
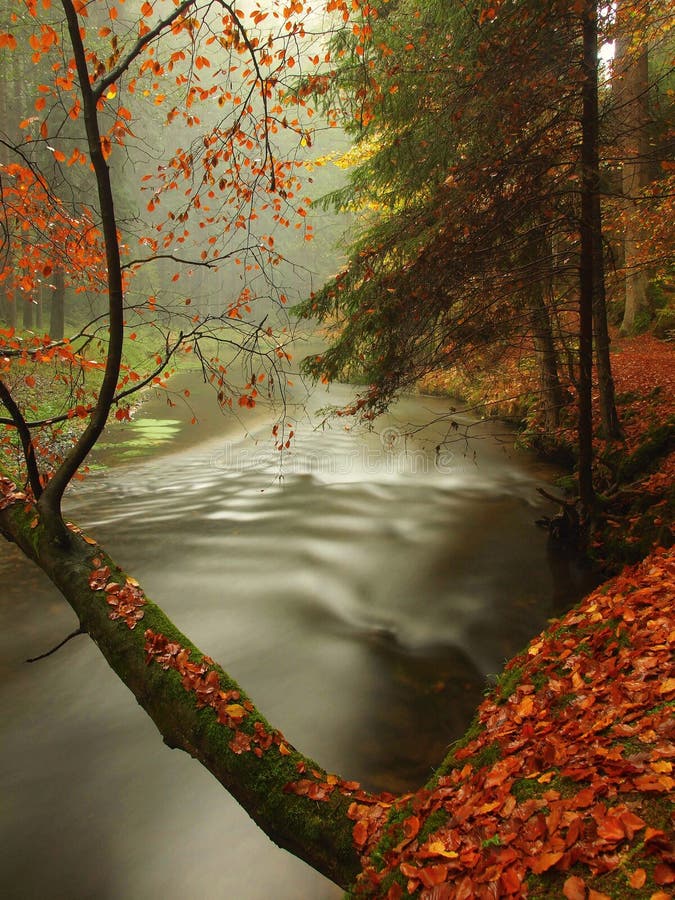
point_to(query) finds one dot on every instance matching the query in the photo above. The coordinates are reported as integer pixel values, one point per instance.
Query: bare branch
(99, 88)
(25, 437)
(58, 646)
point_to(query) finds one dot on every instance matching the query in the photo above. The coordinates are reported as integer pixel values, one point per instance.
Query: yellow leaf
(438, 848)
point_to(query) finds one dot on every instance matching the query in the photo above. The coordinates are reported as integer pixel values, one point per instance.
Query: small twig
(58, 646)
(567, 504)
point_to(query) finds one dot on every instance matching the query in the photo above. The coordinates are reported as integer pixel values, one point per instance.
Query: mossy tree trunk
(206, 715)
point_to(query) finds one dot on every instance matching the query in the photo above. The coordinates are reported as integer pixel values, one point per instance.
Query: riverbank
(634, 477)
(563, 785)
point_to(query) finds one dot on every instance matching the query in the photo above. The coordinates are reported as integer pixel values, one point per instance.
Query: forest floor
(637, 476)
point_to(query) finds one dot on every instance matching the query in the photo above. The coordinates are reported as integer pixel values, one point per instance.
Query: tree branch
(50, 501)
(58, 646)
(100, 87)
(25, 437)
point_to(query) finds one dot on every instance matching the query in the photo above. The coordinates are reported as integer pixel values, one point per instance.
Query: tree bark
(7, 308)
(631, 89)
(318, 831)
(50, 501)
(27, 310)
(57, 306)
(587, 268)
(541, 301)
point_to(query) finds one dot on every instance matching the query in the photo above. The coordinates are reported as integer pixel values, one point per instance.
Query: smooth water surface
(362, 600)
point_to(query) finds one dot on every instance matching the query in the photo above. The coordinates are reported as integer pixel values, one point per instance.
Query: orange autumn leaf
(545, 861)
(411, 826)
(360, 833)
(664, 874)
(637, 878)
(574, 888)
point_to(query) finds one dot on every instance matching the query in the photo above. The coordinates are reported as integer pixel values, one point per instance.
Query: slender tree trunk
(611, 426)
(587, 268)
(50, 502)
(631, 90)
(547, 358)
(608, 413)
(39, 309)
(7, 308)
(57, 306)
(27, 309)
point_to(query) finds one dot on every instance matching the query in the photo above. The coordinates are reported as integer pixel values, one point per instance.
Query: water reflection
(362, 600)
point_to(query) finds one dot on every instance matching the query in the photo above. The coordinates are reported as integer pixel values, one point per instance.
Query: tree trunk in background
(7, 308)
(57, 306)
(611, 427)
(631, 85)
(27, 312)
(590, 184)
(39, 308)
(551, 393)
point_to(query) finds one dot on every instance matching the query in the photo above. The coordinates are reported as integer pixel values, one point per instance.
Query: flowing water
(362, 600)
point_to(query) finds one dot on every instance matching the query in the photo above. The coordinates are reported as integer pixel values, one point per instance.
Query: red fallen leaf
(409, 871)
(469, 858)
(553, 820)
(574, 888)
(314, 790)
(584, 798)
(360, 833)
(610, 828)
(465, 889)
(508, 807)
(652, 834)
(637, 878)
(631, 823)
(596, 895)
(664, 874)
(654, 783)
(544, 861)
(501, 771)
(661, 895)
(395, 892)
(411, 826)
(510, 881)
(433, 875)
(240, 743)
(99, 578)
(573, 832)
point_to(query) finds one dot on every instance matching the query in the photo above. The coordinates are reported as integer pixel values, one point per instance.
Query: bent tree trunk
(195, 705)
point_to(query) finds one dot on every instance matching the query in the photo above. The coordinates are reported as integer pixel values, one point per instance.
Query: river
(362, 600)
